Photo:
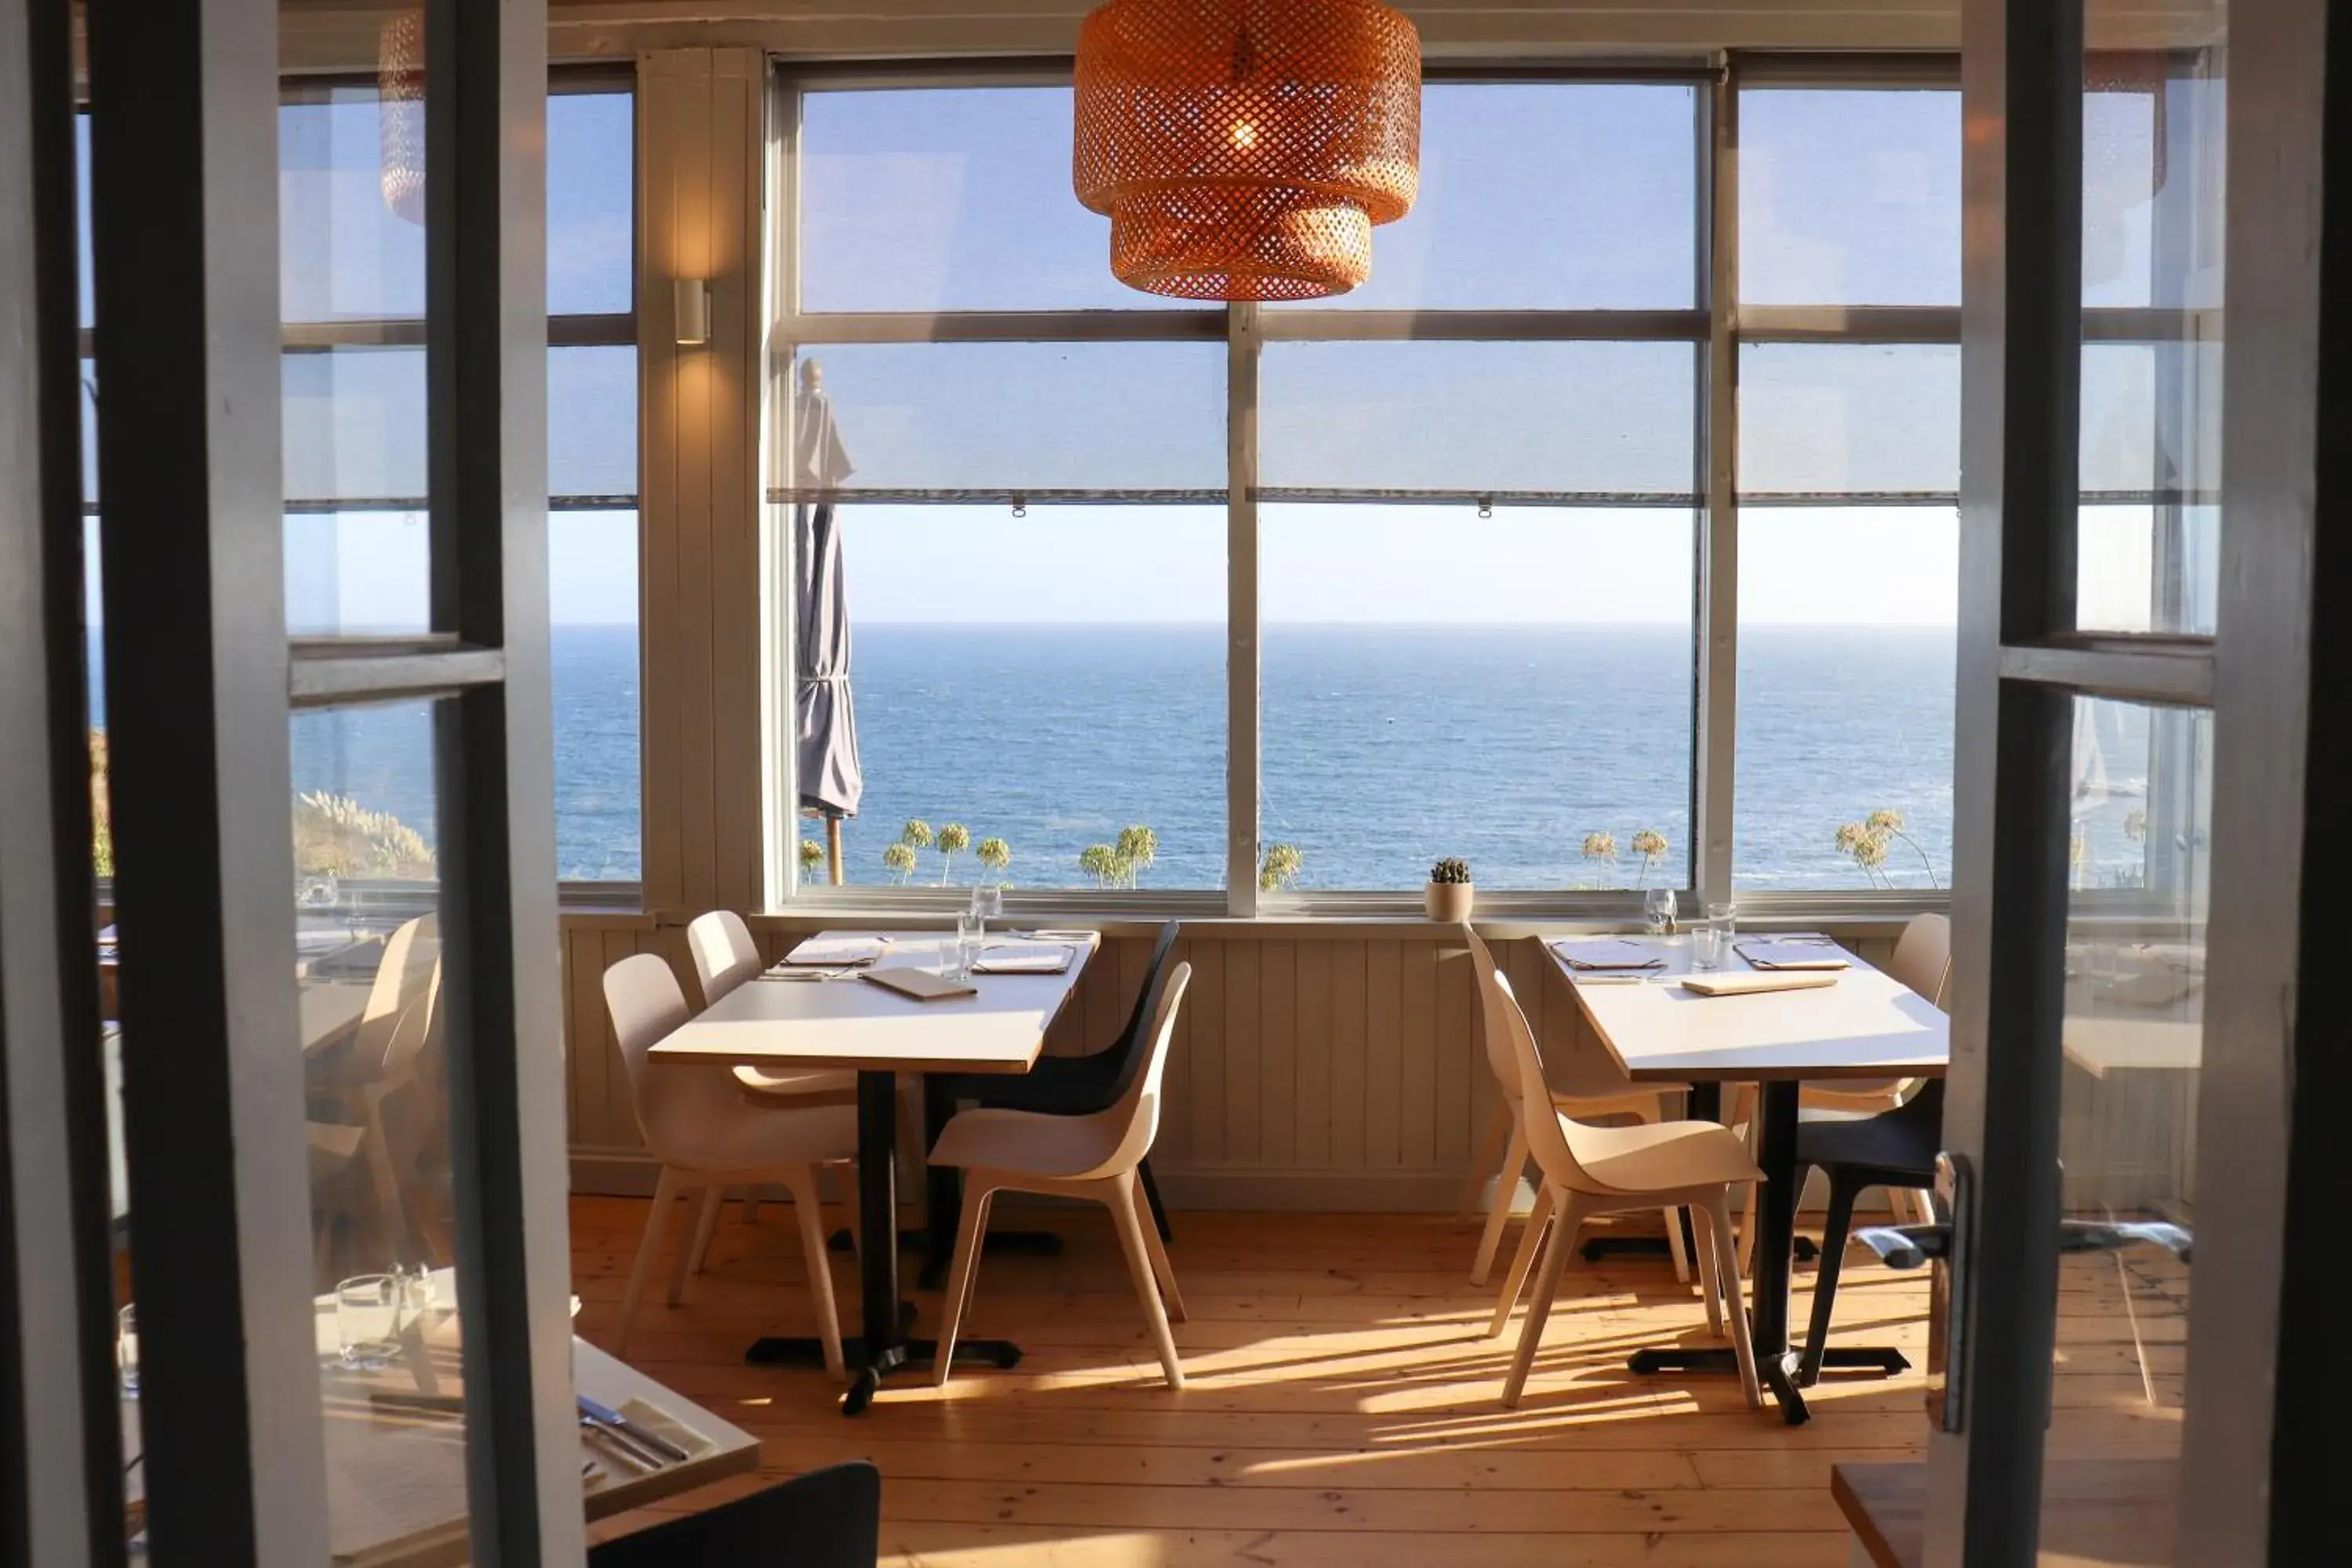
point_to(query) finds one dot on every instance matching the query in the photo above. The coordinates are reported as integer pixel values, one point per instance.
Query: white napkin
(1022, 960)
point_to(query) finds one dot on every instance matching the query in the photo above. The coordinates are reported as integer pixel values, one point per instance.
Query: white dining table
(1863, 1026)
(793, 1019)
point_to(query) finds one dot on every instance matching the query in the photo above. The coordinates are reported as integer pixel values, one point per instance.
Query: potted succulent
(1447, 897)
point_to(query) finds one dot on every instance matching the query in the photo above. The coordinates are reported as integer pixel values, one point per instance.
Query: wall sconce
(693, 311)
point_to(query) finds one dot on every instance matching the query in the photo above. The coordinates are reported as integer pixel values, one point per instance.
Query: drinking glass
(367, 1320)
(1711, 943)
(1658, 911)
(991, 902)
(969, 927)
(126, 1350)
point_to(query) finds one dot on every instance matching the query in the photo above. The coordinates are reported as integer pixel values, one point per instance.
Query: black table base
(883, 1348)
(867, 1370)
(1776, 1247)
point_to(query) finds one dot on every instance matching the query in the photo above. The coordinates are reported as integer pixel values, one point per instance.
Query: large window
(351, 290)
(1470, 523)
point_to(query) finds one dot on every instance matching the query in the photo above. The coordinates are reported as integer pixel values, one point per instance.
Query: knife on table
(604, 1416)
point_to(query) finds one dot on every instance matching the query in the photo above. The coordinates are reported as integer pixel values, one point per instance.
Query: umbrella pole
(833, 848)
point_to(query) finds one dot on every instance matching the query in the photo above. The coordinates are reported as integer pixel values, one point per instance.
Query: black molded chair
(1894, 1149)
(828, 1519)
(1066, 1086)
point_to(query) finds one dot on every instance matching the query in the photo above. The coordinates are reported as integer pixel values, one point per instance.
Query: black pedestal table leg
(1776, 1243)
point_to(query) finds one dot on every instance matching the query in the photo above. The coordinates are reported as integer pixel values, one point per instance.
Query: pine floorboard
(1342, 1406)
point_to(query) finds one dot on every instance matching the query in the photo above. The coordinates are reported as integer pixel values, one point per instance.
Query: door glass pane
(2150, 541)
(367, 955)
(2134, 1043)
(1850, 197)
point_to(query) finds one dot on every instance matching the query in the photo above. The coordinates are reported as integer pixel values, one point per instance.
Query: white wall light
(693, 311)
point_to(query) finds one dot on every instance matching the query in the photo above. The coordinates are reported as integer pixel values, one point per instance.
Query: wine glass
(1658, 911)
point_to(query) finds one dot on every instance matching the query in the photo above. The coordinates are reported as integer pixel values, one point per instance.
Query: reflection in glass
(1849, 419)
(1017, 418)
(2133, 1039)
(1507, 689)
(1850, 197)
(367, 954)
(1587, 419)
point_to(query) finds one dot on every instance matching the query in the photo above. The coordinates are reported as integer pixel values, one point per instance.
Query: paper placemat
(1606, 952)
(1780, 953)
(831, 953)
(1022, 960)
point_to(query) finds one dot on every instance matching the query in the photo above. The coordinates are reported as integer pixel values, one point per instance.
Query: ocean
(1384, 748)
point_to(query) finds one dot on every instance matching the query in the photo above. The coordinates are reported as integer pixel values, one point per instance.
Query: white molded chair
(1922, 961)
(724, 957)
(709, 1135)
(384, 1056)
(1593, 1089)
(1590, 1171)
(1091, 1157)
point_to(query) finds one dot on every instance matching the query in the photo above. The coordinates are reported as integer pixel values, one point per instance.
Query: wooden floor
(1342, 1406)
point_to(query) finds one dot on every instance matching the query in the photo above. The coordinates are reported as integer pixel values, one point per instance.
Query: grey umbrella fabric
(831, 778)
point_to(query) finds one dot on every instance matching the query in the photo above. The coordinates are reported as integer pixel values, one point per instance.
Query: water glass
(991, 899)
(1711, 942)
(1658, 911)
(126, 1350)
(969, 927)
(367, 1320)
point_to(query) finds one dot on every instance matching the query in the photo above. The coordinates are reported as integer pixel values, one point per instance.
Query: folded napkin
(1022, 960)
(1606, 952)
(832, 951)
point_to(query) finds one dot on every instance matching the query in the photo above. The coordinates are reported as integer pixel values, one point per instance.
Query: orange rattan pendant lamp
(1244, 149)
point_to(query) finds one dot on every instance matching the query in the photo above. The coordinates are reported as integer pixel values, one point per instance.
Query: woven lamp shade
(399, 112)
(1244, 149)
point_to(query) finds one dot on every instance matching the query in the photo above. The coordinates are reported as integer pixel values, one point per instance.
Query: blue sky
(1532, 197)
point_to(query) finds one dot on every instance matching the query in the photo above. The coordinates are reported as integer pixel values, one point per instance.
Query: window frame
(1715, 328)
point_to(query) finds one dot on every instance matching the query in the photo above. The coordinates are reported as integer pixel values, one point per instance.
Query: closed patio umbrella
(831, 778)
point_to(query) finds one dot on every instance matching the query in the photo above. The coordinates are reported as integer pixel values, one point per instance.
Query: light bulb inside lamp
(1244, 134)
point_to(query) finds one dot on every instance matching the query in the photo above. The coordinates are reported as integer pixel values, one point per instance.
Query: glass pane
(350, 230)
(1597, 419)
(1849, 419)
(1846, 647)
(1850, 197)
(1499, 690)
(591, 422)
(367, 952)
(948, 199)
(2153, 205)
(1046, 682)
(591, 202)
(1026, 417)
(2134, 1044)
(592, 579)
(1544, 197)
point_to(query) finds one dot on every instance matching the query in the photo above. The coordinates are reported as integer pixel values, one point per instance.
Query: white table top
(852, 1023)
(1866, 1026)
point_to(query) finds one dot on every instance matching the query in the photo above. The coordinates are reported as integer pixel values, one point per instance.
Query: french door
(333, 1087)
(2146, 1048)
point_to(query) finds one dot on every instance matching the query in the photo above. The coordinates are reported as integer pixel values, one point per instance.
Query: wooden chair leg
(971, 1225)
(752, 1204)
(1719, 1215)
(1651, 1115)
(1515, 1279)
(1555, 1259)
(1121, 1201)
(708, 1228)
(666, 1191)
(1158, 1205)
(1710, 1274)
(1162, 1269)
(1834, 1229)
(1499, 1212)
(1499, 1126)
(810, 1215)
(706, 1199)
